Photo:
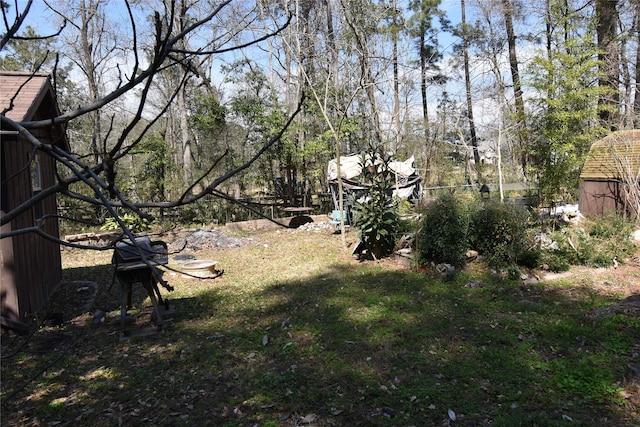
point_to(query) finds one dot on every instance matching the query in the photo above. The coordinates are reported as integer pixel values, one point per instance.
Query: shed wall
(31, 264)
(597, 197)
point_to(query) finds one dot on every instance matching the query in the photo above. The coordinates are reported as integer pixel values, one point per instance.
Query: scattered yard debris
(204, 240)
(316, 227)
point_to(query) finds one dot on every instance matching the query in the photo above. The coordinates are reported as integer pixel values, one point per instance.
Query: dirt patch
(202, 240)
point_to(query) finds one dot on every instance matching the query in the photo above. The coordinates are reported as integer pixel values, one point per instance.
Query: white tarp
(351, 168)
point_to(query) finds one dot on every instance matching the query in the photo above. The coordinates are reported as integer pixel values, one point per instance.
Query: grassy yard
(297, 332)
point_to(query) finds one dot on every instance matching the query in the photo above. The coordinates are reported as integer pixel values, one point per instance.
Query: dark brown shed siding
(8, 292)
(31, 264)
(598, 197)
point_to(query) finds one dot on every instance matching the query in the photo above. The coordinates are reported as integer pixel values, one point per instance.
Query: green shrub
(376, 216)
(442, 237)
(611, 226)
(554, 261)
(132, 221)
(596, 245)
(377, 222)
(503, 235)
(608, 239)
(530, 256)
(498, 232)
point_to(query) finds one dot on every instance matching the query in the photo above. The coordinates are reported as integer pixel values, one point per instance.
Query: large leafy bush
(376, 215)
(499, 233)
(442, 237)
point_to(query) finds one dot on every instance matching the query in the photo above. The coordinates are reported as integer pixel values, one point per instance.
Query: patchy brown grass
(298, 332)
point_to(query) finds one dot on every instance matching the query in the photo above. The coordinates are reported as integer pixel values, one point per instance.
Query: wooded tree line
(182, 103)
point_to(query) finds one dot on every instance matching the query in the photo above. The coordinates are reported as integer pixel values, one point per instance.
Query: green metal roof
(614, 157)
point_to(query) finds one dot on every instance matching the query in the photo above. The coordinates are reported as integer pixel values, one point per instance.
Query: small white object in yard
(571, 214)
(546, 243)
(452, 415)
(529, 280)
(265, 340)
(564, 208)
(445, 268)
(636, 236)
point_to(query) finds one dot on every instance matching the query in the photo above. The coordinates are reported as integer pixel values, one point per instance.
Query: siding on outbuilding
(31, 264)
(611, 163)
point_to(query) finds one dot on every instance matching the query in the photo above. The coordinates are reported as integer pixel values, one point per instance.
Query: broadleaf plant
(376, 215)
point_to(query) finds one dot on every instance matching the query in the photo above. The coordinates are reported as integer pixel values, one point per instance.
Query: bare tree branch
(165, 53)
(17, 23)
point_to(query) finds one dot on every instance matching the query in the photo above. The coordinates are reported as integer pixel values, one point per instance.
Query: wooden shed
(31, 264)
(612, 164)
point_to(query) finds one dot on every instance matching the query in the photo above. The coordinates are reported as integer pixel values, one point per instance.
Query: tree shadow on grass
(350, 346)
(384, 348)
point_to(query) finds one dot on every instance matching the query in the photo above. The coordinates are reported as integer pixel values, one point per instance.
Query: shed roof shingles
(18, 93)
(608, 155)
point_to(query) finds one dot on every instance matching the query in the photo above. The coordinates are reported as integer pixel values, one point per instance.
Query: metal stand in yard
(136, 262)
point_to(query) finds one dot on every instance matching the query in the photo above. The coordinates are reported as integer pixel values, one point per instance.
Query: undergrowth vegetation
(510, 236)
(594, 243)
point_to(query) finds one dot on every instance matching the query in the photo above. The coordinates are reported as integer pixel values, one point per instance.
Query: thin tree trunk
(607, 16)
(517, 87)
(626, 108)
(88, 13)
(396, 96)
(184, 136)
(333, 55)
(396, 83)
(366, 75)
(467, 81)
(425, 106)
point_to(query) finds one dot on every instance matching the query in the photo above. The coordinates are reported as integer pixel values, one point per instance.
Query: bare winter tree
(177, 37)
